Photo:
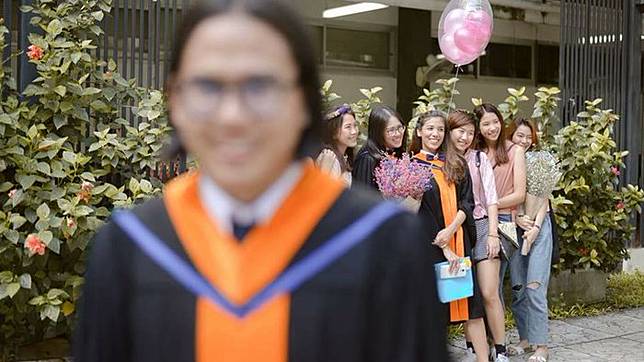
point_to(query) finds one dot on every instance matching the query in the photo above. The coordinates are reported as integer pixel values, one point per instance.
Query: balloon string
(451, 98)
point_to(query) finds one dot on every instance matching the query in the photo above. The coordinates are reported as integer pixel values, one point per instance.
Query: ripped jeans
(530, 275)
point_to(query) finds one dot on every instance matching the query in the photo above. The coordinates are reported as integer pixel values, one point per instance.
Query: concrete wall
(636, 262)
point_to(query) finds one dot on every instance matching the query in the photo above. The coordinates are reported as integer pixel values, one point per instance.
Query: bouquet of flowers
(542, 173)
(403, 180)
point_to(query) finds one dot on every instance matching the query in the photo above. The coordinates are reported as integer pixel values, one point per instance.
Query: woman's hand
(524, 222)
(528, 238)
(493, 246)
(453, 259)
(443, 237)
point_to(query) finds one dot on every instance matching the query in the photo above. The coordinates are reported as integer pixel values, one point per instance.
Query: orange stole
(458, 309)
(240, 270)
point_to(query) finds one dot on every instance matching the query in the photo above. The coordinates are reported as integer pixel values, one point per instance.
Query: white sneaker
(469, 356)
(502, 357)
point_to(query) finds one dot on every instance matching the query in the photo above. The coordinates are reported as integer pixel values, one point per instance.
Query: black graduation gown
(363, 168)
(431, 212)
(377, 302)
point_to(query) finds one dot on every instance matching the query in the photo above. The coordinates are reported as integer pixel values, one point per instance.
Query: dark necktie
(240, 230)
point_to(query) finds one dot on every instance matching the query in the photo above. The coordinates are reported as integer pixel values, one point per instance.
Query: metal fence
(600, 57)
(138, 36)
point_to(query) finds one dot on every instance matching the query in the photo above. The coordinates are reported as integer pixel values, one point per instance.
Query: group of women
(479, 169)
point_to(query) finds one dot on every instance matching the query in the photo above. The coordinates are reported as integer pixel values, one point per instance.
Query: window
(547, 64)
(507, 60)
(357, 48)
(353, 48)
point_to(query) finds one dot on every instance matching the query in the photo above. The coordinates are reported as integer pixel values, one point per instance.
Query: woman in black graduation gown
(450, 204)
(386, 138)
(257, 256)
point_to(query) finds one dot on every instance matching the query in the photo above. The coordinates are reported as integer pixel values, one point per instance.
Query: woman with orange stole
(450, 204)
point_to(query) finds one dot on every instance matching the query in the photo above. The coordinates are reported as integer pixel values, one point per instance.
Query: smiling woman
(257, 256)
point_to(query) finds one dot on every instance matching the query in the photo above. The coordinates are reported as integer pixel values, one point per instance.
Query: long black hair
(378, 119)
(287, 23)
(501, 154)
(334, 121)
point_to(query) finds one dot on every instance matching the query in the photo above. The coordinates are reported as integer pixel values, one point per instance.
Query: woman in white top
(339, 137)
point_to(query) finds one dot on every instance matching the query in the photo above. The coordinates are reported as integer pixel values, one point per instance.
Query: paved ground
(612, 337)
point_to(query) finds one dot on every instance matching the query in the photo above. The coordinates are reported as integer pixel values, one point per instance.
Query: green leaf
(54, 245)
(82, 210)
(88, 176)
(55, 27)
(26, 181)
(109, 93)
(50, 311)
(91, 91)
(61, 90)
(60, 120)
(134, 185)
(9, 290)
(25, 281)
(5, 186)
(6, 277)
(146, 186)
(44, 168)
(69, 157)
(46, 236)
(11, 235)
(55, 293)
(33, 132)
(76, 57)
(17, 220)
(64, 205)
(98, 15)
(39, 300)
(43, 211)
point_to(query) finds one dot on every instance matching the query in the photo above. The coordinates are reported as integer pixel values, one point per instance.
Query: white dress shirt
(224, 209)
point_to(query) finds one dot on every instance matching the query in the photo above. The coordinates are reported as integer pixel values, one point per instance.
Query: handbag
(508, 239)
(454, 286)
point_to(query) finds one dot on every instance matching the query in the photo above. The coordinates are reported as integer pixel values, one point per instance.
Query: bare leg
(488, 278)
(475, 328)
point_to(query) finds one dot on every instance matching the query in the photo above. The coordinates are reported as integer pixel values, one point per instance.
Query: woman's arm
(518, 195)
(531, 235)
(326, 162)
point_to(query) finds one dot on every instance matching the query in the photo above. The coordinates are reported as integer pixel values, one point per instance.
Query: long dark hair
(287, 23)
(378, 119)
(501, 154)
(334, 121)
(455, 164)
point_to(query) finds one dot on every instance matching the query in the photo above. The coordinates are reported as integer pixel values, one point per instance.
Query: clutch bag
(454, 286)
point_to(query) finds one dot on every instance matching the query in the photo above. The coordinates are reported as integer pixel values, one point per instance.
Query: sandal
(517, 350)
(539, 357)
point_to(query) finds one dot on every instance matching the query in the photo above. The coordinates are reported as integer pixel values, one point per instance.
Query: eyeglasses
(395, 130)
(262, 96)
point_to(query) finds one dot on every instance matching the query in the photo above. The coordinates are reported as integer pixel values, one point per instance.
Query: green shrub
(592, 212)
(626, 290)
(68, 156)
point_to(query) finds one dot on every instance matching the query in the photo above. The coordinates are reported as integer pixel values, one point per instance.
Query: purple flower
(402, 178)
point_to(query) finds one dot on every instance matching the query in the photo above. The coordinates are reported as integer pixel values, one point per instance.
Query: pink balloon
(454, 20)
(480, 17)
(468, 41)
(449, 48)
(464, 30)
